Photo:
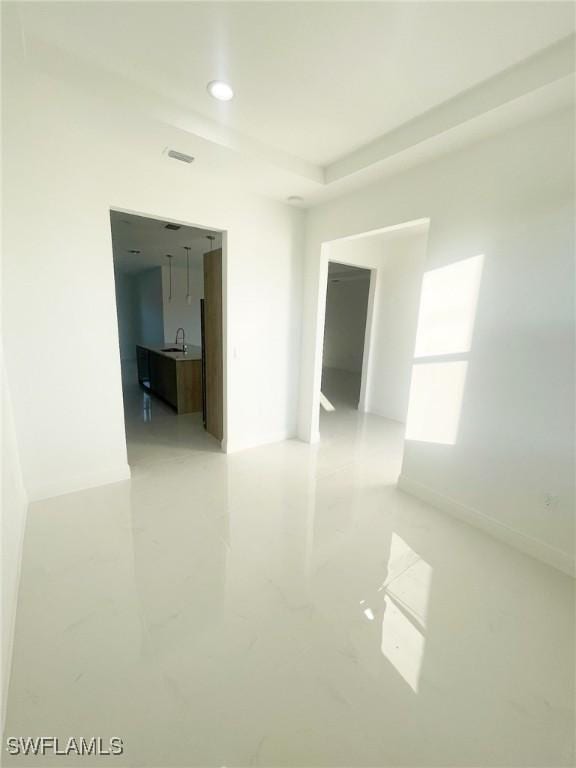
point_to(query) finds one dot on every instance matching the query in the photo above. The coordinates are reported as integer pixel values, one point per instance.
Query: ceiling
(154, 241)
(324, 90)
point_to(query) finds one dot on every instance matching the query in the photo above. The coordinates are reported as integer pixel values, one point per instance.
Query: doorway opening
(368, 300)
(347, 296)
(169, 281)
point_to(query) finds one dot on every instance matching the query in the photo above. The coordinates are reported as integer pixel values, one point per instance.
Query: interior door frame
(309, 430)
(225, 345)
(368, 328)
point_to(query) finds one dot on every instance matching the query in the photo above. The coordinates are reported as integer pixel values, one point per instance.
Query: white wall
(147, 316)
(127, 314)
(178, 313)
(149, 307)
(345, 325)
(398, 297)
(14, 507)
(510, 198)
(86, 156)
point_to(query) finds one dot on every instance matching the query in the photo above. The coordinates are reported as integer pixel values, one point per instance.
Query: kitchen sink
(172, 349)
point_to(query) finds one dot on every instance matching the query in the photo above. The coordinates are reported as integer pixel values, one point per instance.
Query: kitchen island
(172, 374)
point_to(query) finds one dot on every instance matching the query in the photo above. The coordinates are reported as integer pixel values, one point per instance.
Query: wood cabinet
(163, 378)
(177, 382)
(212, 343)
(189, 386)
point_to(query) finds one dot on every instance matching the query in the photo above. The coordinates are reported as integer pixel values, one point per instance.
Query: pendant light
(188, 296)
(211, 238)
(169, 257)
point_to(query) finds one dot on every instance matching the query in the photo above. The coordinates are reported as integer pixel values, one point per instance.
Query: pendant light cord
(187, 249)
(169, 257)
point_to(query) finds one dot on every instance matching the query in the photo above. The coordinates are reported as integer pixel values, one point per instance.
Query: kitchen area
(174, 374)
(168, 281)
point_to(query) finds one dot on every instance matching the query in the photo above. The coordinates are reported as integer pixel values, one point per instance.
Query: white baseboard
(81, 483)
(514, 538)
(379, 412)
(232, 446)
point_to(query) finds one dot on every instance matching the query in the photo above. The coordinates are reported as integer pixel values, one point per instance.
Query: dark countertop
(192, 353)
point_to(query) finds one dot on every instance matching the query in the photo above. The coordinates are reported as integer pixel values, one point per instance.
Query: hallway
(286, 606)
(342, 388)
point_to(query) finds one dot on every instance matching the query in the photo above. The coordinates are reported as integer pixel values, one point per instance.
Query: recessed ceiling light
(295, 199)
(220, 90)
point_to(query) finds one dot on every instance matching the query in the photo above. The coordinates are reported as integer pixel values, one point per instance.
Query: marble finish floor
(154, 432)
(342, 388)
(285, 606)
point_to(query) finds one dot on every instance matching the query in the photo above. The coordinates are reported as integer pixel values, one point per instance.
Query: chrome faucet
(184, 347)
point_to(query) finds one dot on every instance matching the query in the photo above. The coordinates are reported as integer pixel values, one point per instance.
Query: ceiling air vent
(174, 227)
(180, 156)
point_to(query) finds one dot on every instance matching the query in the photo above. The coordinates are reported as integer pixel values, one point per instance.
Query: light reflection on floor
(154, 431)
(286, 606)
